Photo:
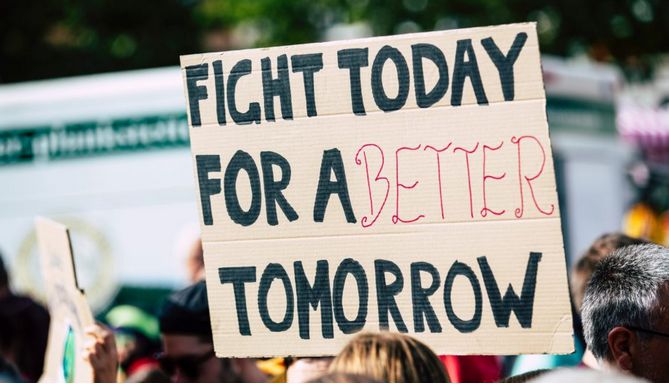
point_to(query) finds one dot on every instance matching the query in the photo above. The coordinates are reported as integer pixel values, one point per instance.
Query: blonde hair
(390, 357)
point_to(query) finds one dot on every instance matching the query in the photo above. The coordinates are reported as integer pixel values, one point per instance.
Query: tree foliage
(55, 38)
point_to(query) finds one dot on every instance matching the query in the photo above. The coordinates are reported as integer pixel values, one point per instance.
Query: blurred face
(188, 359)
(652, 362)
(644, 352)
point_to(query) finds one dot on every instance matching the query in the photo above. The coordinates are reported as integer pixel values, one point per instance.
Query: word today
(353, 60)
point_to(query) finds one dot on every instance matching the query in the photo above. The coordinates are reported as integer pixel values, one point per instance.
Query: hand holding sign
(100, 352)
(70, 313)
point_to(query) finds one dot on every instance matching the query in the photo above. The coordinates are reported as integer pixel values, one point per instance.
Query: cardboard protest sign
(70, 313)
(402, 183)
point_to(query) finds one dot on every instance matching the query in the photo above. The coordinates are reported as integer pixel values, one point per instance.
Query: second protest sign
(402, 183)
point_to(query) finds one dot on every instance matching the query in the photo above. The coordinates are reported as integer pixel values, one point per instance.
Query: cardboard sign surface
(402, 183)
(70, 313)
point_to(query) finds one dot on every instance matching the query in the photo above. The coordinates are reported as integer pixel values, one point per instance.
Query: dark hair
(4, 277)
(24, 330)
(186, 312)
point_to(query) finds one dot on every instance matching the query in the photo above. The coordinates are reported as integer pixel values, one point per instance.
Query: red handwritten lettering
(437, 152)
(365, 219)
(519, 211)
(396, 217)
(469, 177)
(485, 210)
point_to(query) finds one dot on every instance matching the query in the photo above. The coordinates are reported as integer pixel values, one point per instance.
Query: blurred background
(93, 130)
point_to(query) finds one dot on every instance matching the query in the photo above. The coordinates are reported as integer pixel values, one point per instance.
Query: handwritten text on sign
(68, 308)
(401, 183)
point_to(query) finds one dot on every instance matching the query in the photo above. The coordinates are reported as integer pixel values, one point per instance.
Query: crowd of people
(620, 296)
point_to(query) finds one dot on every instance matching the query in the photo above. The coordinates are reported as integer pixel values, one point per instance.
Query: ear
(622, 343)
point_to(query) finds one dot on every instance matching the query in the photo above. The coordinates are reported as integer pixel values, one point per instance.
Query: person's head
(4, 277)
(137, 337)
(188, 347)
(626, 311)
(600, 248)
(390, 357)
(195, 262)
(24, 330)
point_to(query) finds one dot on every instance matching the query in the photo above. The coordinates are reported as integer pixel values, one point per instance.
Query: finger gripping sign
(397, 183)
(68, 308)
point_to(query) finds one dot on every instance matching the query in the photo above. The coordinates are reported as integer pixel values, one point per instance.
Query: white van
(107, 155)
